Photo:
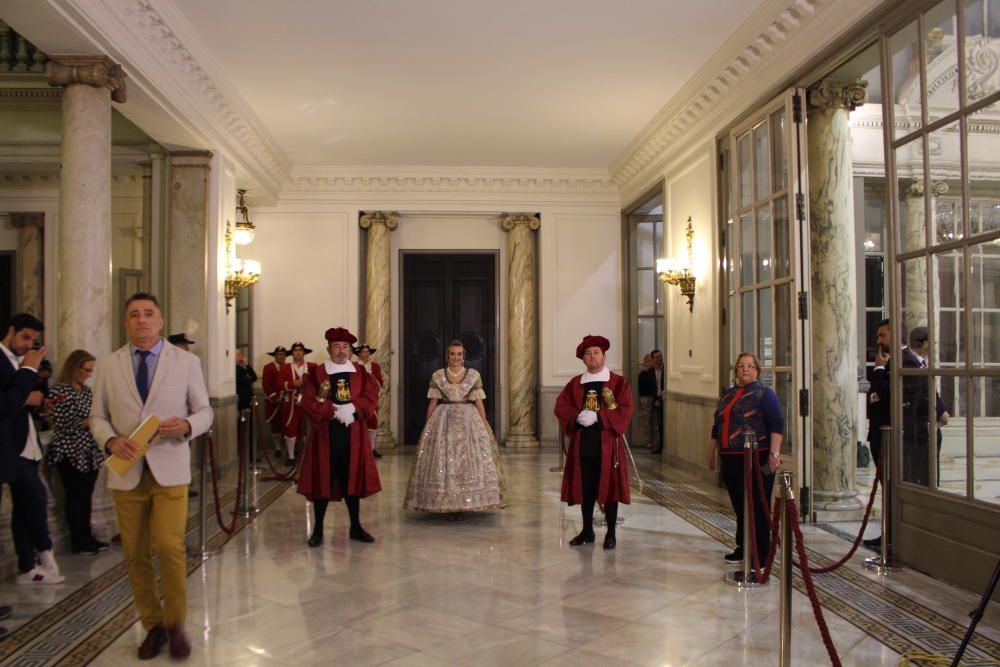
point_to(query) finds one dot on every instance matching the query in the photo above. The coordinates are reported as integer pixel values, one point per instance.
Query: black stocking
(611, 514)
(354, 510)
(319, 513)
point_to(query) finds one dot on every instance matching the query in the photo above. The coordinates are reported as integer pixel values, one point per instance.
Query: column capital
(23, 220)
(510, 220)
(96, 71)
(378, 218)
(916, 188)
(191, 159)
(838, 94)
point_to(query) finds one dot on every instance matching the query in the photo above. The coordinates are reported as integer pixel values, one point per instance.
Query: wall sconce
(683, 276)
(240, 273)
(245, 231)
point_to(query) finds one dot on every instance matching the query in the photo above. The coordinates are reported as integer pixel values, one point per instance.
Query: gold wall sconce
(682, 275)
(240, 273)
(245, 230)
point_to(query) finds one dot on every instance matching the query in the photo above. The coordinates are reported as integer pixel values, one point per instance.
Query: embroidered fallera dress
(457, 466)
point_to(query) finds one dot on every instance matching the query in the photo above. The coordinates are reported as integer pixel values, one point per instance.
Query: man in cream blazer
(149, 376)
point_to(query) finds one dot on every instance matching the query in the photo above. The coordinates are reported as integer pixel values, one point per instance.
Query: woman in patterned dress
(457, 466)
(73, 451)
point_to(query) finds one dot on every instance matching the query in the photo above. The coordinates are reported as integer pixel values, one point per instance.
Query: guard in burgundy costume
(594, 410)
(365, 352)
(339, 399)
(273, 395)
(293, 378)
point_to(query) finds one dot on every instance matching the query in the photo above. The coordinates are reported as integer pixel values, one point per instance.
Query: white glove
(347, 408)
(586, 418)
(344, 416)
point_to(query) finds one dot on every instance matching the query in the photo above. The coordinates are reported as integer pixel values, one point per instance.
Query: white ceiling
(525, 83)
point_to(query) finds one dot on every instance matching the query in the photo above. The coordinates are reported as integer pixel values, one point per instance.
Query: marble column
(187, 248)
(914, 231)
(84, 301)
(84, 278)
(522, 361)
(378, 312)
(834, 297)
(30, 262)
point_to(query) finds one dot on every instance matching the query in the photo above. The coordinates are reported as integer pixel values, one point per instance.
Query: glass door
(766, 263)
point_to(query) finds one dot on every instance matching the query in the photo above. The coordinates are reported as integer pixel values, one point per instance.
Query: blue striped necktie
(142, 375)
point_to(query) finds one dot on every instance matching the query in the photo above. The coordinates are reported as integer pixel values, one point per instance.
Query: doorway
(447, 296)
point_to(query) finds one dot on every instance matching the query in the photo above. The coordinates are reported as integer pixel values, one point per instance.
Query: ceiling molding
(164, 56)
(437, 179)
(746, 63)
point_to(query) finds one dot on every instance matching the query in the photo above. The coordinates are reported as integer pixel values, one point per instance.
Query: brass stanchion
(785, 609)
(883, 564)
(745, 578)
(204, 552)
(249, 509)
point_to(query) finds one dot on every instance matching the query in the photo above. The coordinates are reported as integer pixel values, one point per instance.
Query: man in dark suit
(651, 387)
(916, 411)
(879, 409)
(20, 452)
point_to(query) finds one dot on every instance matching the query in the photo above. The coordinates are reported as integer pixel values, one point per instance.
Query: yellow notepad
(147, 435)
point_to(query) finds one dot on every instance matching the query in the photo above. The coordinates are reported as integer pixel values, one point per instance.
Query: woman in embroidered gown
(457, 466)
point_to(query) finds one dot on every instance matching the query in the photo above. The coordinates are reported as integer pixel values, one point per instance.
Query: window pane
(993, 22)
(941, 60)
(782, 238)
(783, 388)
(646, 287)
(978, 55)
(949, 283)
(645, 336)
(783, 325)
(904, 50)
(986, 441)
(950, 440)
(645, 252)
(747, 312)
(910, 179)
(871, 330)
(945, 155)
(916, 428)
(983, 146)
(874, 282)
(657, 241)
(745, 170)
(914, 294)
(986, 304)
(779, 159)
(731, 256)
(874, 214)
(765, 325)
(948, 213)
(746, 250)
(764, 243)
(762, 160)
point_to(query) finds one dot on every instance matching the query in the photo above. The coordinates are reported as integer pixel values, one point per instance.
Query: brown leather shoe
(180, 648)
(155, 640)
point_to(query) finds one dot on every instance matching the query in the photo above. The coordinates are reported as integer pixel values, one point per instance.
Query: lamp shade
(251, 267)
(243, 234)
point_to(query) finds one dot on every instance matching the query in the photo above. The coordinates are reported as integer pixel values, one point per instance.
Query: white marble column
(522, 364)
(378, 312)
(30, 262)
(914, 238)
(84, 277)
(84, 274)
(834, 297)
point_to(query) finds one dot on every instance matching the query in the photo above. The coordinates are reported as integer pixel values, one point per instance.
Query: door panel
(446, 297)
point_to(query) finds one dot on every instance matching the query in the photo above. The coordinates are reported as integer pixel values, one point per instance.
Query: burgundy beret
(591, 340)
(340, 335)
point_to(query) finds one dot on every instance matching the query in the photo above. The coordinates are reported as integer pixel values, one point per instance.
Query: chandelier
(240, 273)
(245, 231)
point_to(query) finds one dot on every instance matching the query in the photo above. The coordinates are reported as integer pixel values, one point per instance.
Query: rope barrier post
(249, 509)
(745, 578)
(785, 605)
(204, 552)
(883, 564)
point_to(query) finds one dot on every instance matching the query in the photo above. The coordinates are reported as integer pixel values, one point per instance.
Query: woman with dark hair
(74, 452)
(457, 466)
(749, 406)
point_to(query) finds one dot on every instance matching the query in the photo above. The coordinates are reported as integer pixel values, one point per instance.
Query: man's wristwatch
(776, 455)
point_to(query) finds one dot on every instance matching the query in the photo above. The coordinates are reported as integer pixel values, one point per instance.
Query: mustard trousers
(153, 519)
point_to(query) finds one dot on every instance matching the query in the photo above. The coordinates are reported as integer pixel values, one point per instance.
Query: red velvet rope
(800, 548)
(861, 533)
(240, 481)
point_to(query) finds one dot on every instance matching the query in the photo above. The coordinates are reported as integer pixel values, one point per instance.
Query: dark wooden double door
(446, 296)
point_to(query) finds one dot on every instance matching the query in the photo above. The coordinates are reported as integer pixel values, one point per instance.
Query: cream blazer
(178, 390)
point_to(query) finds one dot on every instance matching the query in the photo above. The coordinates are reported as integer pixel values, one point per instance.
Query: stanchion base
(600, 521)
(251, 512)
(556, 469)
(735, 578)
(203, 555)
(877, 565)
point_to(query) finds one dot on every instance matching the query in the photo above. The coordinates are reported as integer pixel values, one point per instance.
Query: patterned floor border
(898, 621)
(79, 627)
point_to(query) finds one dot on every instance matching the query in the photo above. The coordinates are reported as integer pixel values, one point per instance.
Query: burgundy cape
(315, 476)
(291, 410)
(614, 482)
(272, 396)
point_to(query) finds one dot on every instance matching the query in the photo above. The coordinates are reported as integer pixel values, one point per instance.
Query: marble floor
(505, 588)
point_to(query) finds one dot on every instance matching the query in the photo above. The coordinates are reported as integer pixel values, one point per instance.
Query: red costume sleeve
(566, 408)
(271, 385)
(365, 401)
(317, 410)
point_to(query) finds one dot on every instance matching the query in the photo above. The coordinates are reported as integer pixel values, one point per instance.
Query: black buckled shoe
(735, 557)
(585, 537)
(361, 535)
(316, 539)
(610, 542)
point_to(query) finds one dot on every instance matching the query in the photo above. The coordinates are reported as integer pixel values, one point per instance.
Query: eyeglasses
(86, 370)
(745, 367)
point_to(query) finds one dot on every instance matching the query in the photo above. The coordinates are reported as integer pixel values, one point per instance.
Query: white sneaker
(48, 561)
(37, 575)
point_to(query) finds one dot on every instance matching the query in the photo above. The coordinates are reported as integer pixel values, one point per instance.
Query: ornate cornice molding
(96, 71)
(698, 104)
(435, 179)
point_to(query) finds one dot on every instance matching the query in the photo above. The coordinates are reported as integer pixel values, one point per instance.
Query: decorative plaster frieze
(720, 92)
(30, 180)
(535, 184)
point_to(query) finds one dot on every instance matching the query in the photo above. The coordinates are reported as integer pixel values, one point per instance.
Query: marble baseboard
(688, 428)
